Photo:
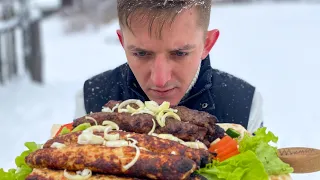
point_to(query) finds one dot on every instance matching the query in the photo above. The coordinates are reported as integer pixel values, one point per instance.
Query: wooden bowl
(301, 159)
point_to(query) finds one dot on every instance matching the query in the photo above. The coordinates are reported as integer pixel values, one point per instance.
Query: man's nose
(161, 71)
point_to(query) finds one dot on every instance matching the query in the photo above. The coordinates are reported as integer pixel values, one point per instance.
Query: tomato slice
(222, 143)
(229, 155)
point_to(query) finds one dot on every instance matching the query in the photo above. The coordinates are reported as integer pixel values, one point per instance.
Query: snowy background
(276, 47)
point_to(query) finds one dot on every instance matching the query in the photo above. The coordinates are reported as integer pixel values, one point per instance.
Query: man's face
(164, 68)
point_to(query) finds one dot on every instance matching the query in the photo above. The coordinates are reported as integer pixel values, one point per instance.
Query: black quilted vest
(218, 93)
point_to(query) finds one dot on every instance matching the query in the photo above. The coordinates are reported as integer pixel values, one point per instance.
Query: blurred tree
(8, 52)
(15, 16)
(85, 14)
(1, 76)
(66, 3)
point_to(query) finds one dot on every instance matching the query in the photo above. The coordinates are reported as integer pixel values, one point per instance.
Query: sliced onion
(113, 125)
(172, 110)
(131, 109)
(96, 128)
(202, 145)
(215, 141)
(112, 137)
(154, 134)
(58, 145)
(116, 143)
(127, 102)
(85, 174)
(133, 141)
(170, 137)
(106, 109)
(195, 145)
(144, 111)
(169, 114)
(153, 127)
(158, 118)
(164, 105)
(152, 106)
(107, 130)
(87, 137)
(115, 107)
(123, 110)
(135, 159)
(91, 118)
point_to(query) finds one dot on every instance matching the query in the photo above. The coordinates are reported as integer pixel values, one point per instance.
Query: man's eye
(180, 53)
(140, 53)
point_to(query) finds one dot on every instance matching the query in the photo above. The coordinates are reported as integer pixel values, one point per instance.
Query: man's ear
(120, 36)
(211, 39)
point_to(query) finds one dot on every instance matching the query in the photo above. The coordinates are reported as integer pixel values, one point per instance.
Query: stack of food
(145, 140)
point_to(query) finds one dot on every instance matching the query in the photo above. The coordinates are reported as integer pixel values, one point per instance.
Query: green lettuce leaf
(244, 166)
(23, 170)
(266, 153)
(270, 160)
(10, 175)
(252, 142)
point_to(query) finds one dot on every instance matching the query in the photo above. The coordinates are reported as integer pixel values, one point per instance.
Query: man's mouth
(163, 92)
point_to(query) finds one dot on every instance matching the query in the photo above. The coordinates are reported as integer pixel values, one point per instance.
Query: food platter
(144, 140)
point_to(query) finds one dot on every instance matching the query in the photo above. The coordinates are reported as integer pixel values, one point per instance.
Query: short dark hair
(162, 10)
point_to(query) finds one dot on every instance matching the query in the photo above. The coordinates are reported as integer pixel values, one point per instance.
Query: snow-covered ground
(275, 47)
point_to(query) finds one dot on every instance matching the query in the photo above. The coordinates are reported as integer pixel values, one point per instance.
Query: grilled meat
(142, 123)
(106, 160)
(154, 144)
(206, 123)
(112, 103)
(199, 118)
(48, 174)
(195, 176)
(182, 130)
(219, 132)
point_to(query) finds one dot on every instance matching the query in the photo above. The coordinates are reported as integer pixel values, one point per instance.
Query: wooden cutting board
(301, 159)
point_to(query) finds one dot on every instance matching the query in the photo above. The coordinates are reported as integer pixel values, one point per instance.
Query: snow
(273, 46)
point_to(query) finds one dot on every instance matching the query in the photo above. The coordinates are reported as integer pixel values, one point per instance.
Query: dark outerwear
(221, 94)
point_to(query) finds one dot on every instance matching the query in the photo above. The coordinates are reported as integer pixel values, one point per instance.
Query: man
(167, 45)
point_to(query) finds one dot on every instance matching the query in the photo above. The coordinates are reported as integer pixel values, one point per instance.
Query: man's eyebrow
(185, 47)
(135, 48)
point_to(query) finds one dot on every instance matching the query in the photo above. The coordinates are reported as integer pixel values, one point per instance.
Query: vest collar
(203, 83)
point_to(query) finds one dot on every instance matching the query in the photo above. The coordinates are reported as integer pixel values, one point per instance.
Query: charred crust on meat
(37, 177)
(101, 166)
(184, 165)
(195, 176)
